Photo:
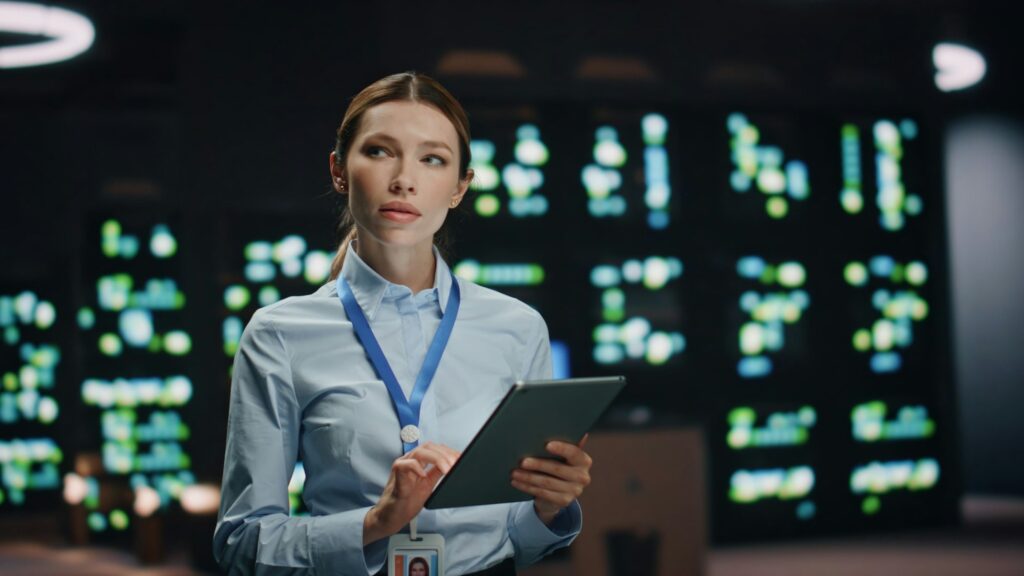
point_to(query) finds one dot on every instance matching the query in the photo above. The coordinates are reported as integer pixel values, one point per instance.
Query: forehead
(411, 121)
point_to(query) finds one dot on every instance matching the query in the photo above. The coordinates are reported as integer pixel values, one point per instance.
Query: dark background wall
(205, 106)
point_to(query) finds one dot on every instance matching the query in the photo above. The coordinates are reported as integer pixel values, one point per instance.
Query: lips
(400, 207)
(399, 212)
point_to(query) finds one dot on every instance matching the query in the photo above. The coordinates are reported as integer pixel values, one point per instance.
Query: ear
(462, 188)
(338, 177)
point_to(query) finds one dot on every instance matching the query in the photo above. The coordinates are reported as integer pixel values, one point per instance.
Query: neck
(410, 266)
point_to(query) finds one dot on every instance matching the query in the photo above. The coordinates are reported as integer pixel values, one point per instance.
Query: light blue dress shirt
(304, 388)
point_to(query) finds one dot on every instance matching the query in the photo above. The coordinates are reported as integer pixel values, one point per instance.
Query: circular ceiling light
(66, 34)
(957, 66)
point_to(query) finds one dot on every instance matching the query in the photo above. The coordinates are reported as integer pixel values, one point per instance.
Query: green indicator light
(268, 295)
(45, 315)
(535, 274)
(897, 274)
(871, 505)
(236, 297)
(738, 438)
(48, 410)
(749, 135)
(613, 314)
(110, 344)
(613, 299)
(742, 416)
(777, 207)
(807, 416)
(791, 274)
(610, 153)
(110, 233)
(485, 177)
(928, 429)
(118, 519)
(852, 201)
(913, 205)
(259, 251)
(487, 205)
(178, 343)
(916, 273)
(919, 310)
(86, 318)
(468, 270)
(856, 274)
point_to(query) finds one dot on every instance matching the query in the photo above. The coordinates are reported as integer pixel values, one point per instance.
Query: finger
(403, 465)
(559, 499)
(574, 455)
(449, 454)
(583, 441)
(430, 454)
(555, 469)
(452, 453)
(550, 483)
(571, 468)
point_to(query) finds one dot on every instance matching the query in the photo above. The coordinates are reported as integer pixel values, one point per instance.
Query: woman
(418, 567)
(304, 383)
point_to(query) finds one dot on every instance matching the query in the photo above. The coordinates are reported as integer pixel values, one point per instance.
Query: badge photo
(423, 556)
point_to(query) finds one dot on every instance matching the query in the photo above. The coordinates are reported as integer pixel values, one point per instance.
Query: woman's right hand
(413, 477)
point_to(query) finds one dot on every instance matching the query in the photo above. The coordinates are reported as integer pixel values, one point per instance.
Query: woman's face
(402, 173)
(418, 569)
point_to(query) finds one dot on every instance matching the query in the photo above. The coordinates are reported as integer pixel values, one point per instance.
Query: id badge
(423, 556)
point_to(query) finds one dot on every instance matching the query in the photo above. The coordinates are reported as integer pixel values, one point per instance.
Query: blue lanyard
(408, 410)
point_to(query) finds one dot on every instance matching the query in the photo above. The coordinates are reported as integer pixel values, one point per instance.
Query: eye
(433, 160)
(375, 151)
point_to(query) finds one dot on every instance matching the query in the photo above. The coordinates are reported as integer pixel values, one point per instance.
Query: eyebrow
(424, 144)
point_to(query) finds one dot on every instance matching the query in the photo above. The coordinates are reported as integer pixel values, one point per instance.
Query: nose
(402, 180)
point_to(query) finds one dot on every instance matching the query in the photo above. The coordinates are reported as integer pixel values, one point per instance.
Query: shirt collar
(369, 287)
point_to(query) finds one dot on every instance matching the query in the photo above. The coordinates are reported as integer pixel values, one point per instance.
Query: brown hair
(406, 86)
(419, 560)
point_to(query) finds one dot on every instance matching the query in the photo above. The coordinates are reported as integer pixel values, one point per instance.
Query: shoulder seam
(284, 346)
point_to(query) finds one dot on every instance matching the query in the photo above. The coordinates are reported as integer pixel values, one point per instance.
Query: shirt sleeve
(255, 533)
(531, 538)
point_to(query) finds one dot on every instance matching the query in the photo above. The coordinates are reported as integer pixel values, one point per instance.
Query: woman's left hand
(553, 484)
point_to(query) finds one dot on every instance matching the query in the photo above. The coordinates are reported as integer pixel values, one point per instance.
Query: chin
(401, 238)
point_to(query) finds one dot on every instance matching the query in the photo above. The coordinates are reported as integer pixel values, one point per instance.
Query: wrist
(545, 513)
(373, 527)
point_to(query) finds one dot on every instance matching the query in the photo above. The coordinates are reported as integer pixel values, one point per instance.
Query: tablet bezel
(591, 398)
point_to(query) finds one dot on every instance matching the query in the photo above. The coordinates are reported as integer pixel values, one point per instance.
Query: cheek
(360, 176)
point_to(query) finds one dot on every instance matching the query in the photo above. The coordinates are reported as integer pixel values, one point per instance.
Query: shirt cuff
(336, 545)
(533, 539)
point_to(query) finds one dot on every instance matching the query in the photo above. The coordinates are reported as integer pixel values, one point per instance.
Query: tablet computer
(531, 414)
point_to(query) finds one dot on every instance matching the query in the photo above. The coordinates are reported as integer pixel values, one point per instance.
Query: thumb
(583, 441)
